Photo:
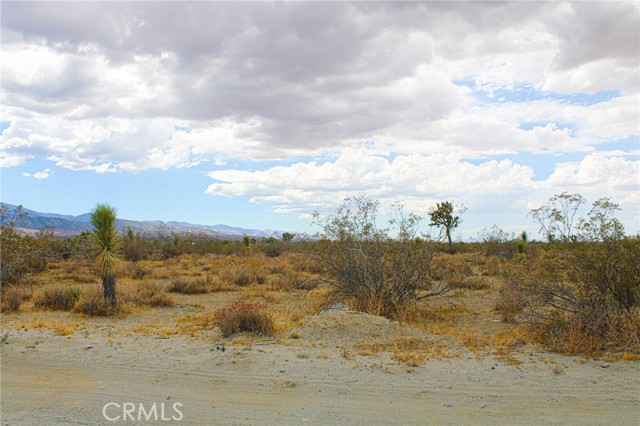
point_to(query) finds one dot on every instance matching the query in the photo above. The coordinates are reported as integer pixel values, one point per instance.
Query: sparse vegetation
(578, 293)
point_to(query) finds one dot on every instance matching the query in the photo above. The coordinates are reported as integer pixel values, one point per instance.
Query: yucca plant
(103, 218)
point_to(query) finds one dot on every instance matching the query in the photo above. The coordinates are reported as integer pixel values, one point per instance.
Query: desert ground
(458, 364)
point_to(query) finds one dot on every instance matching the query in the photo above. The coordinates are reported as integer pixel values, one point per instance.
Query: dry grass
(59, 328)
(492, 267)
(190, 286)
(244, 271)
(240, 316)
(10, 299)
(575, 336)
(92, 303)
(153, 295)
(412, 351)
(58, 298)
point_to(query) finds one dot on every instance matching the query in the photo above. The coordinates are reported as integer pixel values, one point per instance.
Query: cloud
(276, 81)
(398, 99)
(305, 186)
(43, 174)
(419, 181)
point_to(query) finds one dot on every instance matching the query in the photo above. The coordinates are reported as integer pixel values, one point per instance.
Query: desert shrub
(171, 246)
(21, 254)
(190, 286)
(584, 286)
(496, 242)
(453, 269)
(274, 248)
(58, 298)
(133, 246)
(92, 303)
(242, 316)
(475, 282)
(138, 272)
(79, 276)
(589, 332)
(277, 266)
(492, 267)
(509, 302)
(79, 246)
(10, 299)
(286, 280)
(243, 276)
(243, 272)
(308, 261)
(374, 270)
(153, 295)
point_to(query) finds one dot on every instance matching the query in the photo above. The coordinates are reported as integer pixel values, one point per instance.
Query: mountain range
(67, 225)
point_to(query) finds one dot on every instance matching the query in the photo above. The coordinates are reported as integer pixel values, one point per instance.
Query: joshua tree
(103, 218)
(247, 243)
(446, 216)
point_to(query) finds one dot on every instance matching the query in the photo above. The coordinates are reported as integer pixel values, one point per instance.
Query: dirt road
(50, 379)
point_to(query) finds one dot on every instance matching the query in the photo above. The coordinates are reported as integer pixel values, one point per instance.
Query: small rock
(483, 405)
(446, 404)
(605, 365)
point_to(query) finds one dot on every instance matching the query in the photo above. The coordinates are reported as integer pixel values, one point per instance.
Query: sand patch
(337, 327)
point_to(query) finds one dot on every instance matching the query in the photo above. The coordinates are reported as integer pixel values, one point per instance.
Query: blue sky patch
(4, 125)
(525, 92)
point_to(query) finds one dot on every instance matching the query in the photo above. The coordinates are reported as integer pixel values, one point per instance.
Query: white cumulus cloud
(43, 174)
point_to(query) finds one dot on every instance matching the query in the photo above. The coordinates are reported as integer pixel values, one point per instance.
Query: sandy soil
(313, 380)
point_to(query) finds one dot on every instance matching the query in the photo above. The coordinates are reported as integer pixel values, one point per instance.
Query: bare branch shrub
(375, 270)
(582, 294)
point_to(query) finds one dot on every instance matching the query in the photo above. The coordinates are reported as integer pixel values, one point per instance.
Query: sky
(258, 114)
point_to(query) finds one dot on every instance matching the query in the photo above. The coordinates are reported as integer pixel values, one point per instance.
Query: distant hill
(66, 225)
